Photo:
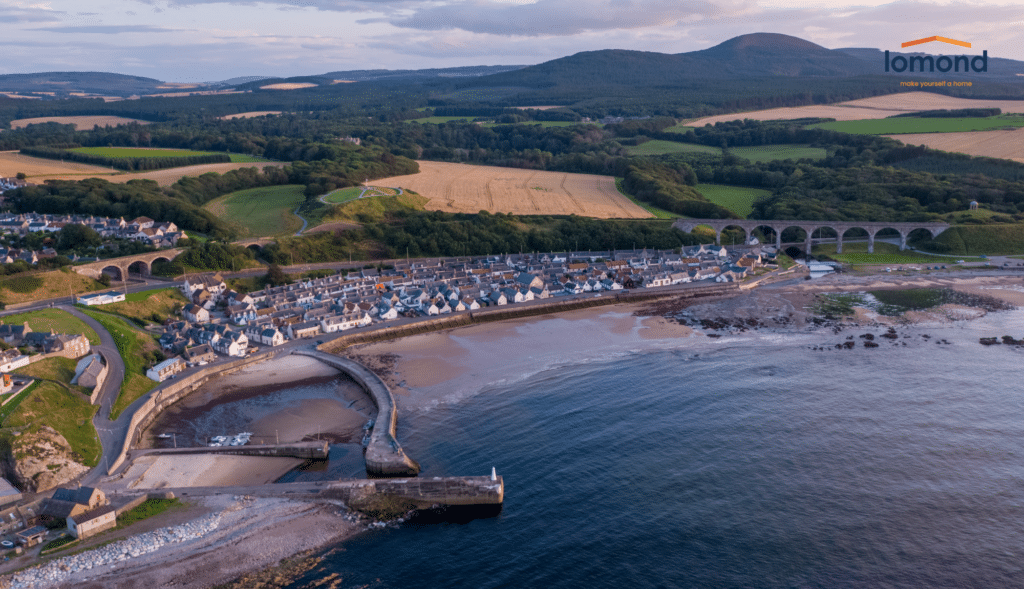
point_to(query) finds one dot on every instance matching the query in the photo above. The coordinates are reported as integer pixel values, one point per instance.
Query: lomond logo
(942, 63)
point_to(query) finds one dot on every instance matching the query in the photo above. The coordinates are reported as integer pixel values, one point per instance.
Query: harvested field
(288, 86)
(257, 113)
(462, 188)
(80, 123)
(877, 107)
(172, 175)
(39, 169)
(1002, 144)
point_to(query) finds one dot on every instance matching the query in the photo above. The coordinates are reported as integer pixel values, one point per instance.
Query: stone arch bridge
(121, 268)
(809, 227)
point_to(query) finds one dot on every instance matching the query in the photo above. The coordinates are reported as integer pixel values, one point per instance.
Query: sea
(761, 459)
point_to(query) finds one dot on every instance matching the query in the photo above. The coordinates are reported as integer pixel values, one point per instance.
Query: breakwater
(390, 497)
(305, 450)
(506, 312)
(384, 456)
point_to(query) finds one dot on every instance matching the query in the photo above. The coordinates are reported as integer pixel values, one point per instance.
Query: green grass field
(657, 212)
(149, 306)
(660, 147)
(767, 153)
(261, 212)
(885, 254)
(680, 128)
(132, 345)
(344, 195)
(922, 125)
(439, 120)
(544, 124)
(737, 199)
(55, 319)
(68, 413)
(137, 152)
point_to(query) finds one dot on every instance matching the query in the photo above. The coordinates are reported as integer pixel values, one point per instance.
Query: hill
(64, 83)
(757, 54)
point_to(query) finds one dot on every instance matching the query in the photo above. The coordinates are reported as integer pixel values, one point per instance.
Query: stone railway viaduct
(121, 268)
(809, 227)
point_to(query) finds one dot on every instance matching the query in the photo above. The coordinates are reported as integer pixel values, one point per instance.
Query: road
(111, 433)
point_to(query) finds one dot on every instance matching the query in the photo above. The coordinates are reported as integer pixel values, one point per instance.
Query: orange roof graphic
(936, 38)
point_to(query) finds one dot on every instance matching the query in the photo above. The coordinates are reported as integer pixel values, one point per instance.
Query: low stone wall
(305, 450)
(168, 394)
(389, 497)
(505, 312)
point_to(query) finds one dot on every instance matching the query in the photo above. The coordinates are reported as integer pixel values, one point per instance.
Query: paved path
(111, 433)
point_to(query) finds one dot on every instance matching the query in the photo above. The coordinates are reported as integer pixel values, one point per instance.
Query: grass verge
(885, 253)
(147, 509)
(24, 288)
(134, 346)
(149, 306)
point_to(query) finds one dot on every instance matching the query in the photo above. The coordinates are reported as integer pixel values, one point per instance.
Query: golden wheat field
(246, 115)
(80, 123)
(37, 170)
(876, 107)
(462, 188)
(1002, 144)
(288, 86)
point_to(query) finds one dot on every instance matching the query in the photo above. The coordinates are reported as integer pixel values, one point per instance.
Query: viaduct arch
(141, 264)
(809, 227)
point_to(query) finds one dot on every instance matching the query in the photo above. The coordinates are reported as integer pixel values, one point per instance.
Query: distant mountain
(772, 54)
(240, 80)
(64, 83)
(754, 55)
(451, 72)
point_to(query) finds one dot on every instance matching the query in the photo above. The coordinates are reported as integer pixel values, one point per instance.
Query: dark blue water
(746, 464)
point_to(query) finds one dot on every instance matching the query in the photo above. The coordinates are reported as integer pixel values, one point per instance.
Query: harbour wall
(305, 450)
(162, 398)
(384, 455)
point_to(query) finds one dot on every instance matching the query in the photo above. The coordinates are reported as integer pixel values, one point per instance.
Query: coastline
(445, 367)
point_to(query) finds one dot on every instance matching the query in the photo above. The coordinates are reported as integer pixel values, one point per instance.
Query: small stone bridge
(809, 227)
(121, 268)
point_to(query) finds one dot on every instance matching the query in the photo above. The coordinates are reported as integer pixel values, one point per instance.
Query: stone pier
(384, 455)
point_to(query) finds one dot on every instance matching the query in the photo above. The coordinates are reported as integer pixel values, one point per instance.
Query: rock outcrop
(43, 460)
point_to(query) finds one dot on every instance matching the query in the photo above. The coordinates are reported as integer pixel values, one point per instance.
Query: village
(142, 229)
(220, 321)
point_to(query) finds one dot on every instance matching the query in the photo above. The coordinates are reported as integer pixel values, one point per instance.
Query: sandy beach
(204, 470)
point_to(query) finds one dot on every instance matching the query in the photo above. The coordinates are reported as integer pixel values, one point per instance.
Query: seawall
(170, 394)
(392, 497)
(384, 455)
(304, 450)
(505, 312)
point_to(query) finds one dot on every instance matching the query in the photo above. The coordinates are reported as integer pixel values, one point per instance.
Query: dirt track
(462, 188)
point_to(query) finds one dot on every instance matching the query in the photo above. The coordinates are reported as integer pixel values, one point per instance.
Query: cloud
(31, 14)
(107, 29)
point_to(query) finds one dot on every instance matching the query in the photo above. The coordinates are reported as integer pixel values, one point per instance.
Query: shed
(31, 536)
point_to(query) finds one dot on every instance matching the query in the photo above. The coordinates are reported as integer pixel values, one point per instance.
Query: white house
(101, 298)
(271, 337)
(166, 369)
(196, 314)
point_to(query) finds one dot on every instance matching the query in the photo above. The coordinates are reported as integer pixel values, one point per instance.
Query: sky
(192, 41)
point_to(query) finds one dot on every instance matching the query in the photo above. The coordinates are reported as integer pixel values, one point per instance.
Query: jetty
(306, 450)
(384, 455)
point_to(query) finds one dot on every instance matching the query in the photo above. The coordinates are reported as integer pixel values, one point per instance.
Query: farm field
(660, 147)
(37, 169)
(544, 124)
(246, 115)
(876, 107)
(141, 152)
(439, 120)
(738, 199)
(261, 212)
(1001, 144)
(80, 123)
(767, 153)
(922, 125)
(288, 86)
(462, 188)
